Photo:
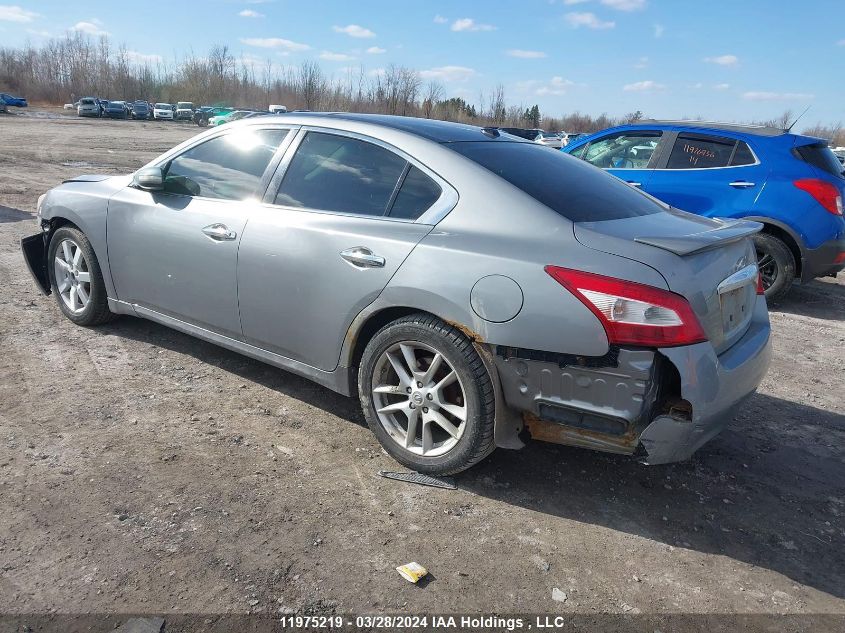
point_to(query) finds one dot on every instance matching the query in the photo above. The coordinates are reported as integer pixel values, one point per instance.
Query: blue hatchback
(793, 184)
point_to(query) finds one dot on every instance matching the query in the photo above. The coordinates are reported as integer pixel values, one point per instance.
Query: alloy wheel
(768, 268)
(73, 277)
(419, 399)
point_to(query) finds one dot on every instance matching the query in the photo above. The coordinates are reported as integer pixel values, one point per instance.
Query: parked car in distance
(791, 183)
(549, 139)
(70, 106)
(467, 284)
(184, 111)
(228, 117)
(139, 110)
(527, 133)
(277, 109)
(89, 106)
(116, 110)
(204, 113)
(164, 111)
(11, 100)
(3, 107)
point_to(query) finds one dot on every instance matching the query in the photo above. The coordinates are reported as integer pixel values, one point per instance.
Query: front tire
(777, 266)
(427, 396)
(76, 278)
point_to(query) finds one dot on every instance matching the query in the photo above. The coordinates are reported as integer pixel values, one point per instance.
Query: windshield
(184, 105)
(87, 102)
(162, 106)
(574, 189)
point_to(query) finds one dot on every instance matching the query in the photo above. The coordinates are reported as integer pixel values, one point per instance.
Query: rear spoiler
(730, 231)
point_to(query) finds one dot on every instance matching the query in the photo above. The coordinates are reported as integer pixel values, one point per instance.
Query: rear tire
(439, 419)
(777, 266)
(76, 279)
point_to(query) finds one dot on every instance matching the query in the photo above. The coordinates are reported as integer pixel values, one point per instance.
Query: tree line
(77, 65)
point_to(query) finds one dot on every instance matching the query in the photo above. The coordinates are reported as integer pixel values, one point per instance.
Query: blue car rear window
(574, 189)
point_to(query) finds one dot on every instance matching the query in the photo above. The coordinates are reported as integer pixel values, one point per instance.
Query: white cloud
(142, 58)
(721, 87)
(642, 62)
(39, 33)
(90, 28)
(523, 54)
(353, 30)
(840, 43)
(644, 86)
(376, 72)
(589, 20)
(274, 42)
(439, 19)
(619, 5)
(468, 24)
(659, 29)
(723, 60)
(14, 13)
(625, 5)
(557, 86)
(777, 96)
(375, 50)
(249, 13)
(448, 73)
(336, 57)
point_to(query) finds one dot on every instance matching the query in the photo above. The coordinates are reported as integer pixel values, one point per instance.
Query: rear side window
(338, 173)
(571, 187)
(227, 167)
(743, 155)
(417, 193)
(695, 151)
(821, 156)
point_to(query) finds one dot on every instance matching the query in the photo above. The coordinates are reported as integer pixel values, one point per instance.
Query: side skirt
(338, 380)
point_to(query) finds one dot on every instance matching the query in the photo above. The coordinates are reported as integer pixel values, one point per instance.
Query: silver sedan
(471, 288)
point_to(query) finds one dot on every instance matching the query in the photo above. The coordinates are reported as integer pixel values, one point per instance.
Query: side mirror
(150, 179)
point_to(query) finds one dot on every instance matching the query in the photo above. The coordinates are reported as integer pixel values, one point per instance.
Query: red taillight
(632, 313)
(839, 259)
(825, 193)
(760, 289)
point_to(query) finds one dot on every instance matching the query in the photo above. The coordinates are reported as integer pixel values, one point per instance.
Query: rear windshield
(574, 189)
(163, 106)
(820, 156)
(87, 102)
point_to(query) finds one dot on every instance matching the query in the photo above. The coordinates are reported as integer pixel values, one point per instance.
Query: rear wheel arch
(785, 235)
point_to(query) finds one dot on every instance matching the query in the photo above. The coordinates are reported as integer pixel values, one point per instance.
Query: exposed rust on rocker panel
(555, 433)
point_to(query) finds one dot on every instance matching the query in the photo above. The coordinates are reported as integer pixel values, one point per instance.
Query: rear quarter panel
(496, 229)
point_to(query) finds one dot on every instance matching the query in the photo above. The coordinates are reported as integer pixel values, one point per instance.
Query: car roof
(431, 129)
(758, 130)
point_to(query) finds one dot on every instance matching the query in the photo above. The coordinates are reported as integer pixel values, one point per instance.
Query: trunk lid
(712, 263)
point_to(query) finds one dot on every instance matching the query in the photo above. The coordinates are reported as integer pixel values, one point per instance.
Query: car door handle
(219, 232)
(634, 184)
(362, 257)
(741, 184)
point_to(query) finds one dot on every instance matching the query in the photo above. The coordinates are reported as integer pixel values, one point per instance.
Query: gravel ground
(143, 471)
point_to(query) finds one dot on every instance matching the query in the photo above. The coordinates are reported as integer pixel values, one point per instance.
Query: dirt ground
(143, 471)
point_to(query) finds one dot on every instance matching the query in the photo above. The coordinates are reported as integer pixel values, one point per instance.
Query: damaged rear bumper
(660, 405)
(715, 386)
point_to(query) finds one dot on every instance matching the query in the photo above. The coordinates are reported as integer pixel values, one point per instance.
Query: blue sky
(719, 59)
